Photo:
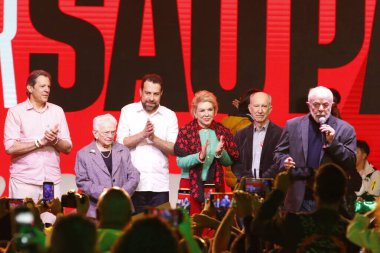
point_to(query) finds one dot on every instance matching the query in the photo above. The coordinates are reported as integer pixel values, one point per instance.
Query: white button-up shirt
(151, 162)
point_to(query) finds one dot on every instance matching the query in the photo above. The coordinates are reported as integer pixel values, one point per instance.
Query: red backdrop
(40, 31)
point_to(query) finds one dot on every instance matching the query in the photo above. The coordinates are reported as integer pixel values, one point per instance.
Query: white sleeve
(172, 128)
(123, 127)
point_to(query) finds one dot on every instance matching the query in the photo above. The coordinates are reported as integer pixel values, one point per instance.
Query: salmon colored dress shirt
(25, 124)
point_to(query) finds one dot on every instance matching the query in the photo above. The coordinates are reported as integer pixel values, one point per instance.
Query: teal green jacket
(186, 162)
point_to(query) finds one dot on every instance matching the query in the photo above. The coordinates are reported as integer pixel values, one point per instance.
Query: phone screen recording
(48, 191)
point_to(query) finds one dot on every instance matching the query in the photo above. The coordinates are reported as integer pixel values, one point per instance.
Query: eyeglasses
(108, 133)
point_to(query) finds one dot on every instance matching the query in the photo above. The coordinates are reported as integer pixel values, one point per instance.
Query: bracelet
(37, 143)
(55, 143)
(218, 156)
(199, 158)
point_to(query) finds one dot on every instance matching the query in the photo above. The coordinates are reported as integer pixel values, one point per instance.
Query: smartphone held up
(48, 191)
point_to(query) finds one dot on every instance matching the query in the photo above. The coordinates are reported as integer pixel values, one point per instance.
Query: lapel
(267, 139)
(250, 145)
(116, 157)
(97, 158)
(305, 135)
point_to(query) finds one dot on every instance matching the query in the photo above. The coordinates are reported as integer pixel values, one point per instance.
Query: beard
(150, 108)
(317, 116)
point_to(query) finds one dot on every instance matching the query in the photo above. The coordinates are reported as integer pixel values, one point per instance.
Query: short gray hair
(101, 119)
(320, 91)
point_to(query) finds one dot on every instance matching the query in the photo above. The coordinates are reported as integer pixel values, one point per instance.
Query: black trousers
(141, 200)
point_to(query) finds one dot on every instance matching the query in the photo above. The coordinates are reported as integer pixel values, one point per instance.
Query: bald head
(114, 208)
(260, 107)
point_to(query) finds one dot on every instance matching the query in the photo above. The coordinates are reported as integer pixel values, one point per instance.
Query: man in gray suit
(311, 140)
(104, 163)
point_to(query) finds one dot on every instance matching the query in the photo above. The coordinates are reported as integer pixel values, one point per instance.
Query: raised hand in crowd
(223, 233)
(235, 103)
(201, 221)
(185, 229)
(282, 181)
(209, 209)
(243, 204)
(83, 203)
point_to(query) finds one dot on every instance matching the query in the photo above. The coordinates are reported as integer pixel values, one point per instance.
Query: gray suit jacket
(92, 175)
(294, 143)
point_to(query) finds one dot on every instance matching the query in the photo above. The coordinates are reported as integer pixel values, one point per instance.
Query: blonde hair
(203, 96)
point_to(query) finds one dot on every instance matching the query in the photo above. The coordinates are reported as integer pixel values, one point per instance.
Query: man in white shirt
(149, 130)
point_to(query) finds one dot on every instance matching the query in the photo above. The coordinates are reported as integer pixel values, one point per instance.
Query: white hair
(101, 119)
(320, 92)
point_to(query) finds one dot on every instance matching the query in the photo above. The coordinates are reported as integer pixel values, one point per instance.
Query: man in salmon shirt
(35, 133)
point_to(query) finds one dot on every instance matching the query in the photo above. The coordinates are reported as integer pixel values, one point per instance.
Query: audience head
(147, 235)
(336, 98)
(204, 107)
(320, 101)
(104, 129)
(114, 208)
(74, 234)
(244, 101)
(330, 184)
(362, 152)
(362, 147)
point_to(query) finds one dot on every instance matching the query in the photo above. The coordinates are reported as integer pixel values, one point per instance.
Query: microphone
(322, 120)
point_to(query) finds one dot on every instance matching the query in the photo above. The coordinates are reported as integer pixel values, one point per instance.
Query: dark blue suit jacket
(294, 143)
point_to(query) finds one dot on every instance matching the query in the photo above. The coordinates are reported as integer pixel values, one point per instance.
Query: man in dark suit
(311, 140)
(257, 141)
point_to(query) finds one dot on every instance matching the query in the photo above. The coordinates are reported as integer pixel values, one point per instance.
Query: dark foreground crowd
(249, 224)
